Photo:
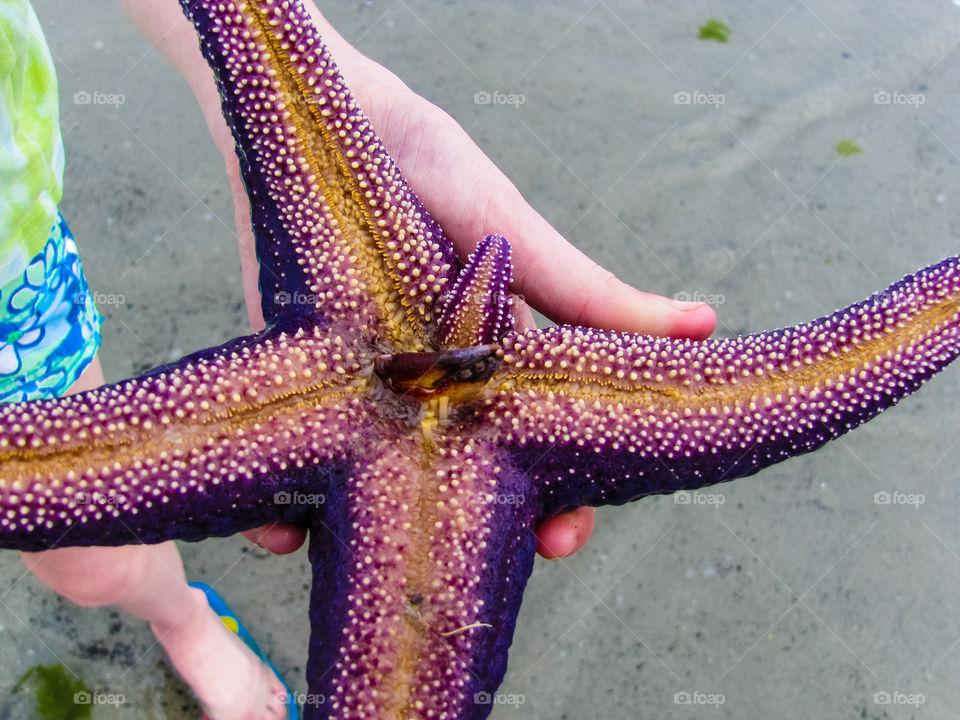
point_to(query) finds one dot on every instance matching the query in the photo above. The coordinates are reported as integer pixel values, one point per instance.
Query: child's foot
(230, 681)
(268, 686)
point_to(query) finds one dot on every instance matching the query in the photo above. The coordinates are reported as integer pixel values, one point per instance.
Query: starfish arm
(222, 441)
(476, 309)
(417, 583)
(339, 233)
(604, 418)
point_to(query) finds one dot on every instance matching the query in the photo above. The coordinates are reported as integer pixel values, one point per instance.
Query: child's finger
(563, 535)
(278, 538)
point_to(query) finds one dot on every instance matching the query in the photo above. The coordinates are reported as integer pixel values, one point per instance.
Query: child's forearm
(168, 30)
(165, 26)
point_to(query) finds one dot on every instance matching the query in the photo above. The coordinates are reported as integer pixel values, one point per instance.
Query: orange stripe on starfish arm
(369, 252)
(662, 415)
(428, 598)
(251, 412)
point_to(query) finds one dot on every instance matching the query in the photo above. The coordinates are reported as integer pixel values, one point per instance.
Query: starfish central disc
(458, 375)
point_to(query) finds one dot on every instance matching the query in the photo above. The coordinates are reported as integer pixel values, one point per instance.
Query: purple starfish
(390, 408)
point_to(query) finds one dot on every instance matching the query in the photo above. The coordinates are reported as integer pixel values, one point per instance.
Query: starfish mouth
(458, 375)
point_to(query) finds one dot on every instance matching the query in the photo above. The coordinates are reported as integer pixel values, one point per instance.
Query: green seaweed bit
(713, 29)
(848, 147)
(56, 693)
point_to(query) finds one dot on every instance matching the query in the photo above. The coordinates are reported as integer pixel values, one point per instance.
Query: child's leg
(148, 581)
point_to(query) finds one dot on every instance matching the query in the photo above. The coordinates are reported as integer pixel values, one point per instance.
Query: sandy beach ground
(691, 168)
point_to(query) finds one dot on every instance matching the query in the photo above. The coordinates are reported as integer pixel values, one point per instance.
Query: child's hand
(468, 196)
